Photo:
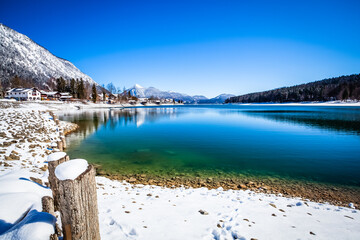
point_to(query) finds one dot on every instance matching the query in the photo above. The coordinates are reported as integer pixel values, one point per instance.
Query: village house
(24, 94)
(132, 102)
(50, 95)
(100, 97)
(112, 99)
(65, 96)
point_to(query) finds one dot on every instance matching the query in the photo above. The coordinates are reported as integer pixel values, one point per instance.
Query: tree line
(331, 89)
(75, 87)
(78, 88)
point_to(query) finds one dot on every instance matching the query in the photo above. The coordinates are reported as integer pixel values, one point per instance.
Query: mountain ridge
(142, 92)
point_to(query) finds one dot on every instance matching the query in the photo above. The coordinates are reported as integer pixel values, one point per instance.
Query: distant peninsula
(331, 89)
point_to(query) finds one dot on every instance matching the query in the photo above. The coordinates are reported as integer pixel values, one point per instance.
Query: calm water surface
(320, 144)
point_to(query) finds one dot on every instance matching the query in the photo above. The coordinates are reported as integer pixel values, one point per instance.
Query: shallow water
(320, 144)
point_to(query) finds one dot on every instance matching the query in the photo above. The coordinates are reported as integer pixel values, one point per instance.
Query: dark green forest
(338, 88)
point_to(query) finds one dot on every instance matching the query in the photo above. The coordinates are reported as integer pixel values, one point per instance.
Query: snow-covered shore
(59, 105)
(128, 211)
(28, 135)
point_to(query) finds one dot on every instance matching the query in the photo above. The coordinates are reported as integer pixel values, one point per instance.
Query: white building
(45, 95)
(65, 96)
(24, 94)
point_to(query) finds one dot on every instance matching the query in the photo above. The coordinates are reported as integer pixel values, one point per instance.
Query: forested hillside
(339, 88)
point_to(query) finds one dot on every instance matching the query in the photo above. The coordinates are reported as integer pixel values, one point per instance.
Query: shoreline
(58, 105)
(318, 192)
(338, 195)
(133, 209)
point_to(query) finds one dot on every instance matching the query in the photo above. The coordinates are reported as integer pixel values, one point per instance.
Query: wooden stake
(60, 145)
(48, 205)
(78, 207)
(63, 141)
(53, 181)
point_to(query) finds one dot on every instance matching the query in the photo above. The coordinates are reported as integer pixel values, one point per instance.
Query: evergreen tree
(77, 85)
(72, 86)
(81, 89)
(16, 82)
(94, 93)
(60, 85)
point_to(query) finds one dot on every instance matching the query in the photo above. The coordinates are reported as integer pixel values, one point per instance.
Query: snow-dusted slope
(21, 56)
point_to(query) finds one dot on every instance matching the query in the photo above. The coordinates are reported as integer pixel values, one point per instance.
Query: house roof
(65, 97)
(48, 93)
(21, 90)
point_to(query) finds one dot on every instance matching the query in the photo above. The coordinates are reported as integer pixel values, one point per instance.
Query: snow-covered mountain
(21, 56)
(218, 99)
(141, 92)
(137, 91)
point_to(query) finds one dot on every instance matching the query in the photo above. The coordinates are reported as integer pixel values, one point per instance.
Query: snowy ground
(151, 212)
(27, 136)
(148, 212)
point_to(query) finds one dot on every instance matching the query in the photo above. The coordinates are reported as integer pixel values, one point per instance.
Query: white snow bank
(71, 169)
(36, 225)
(18, 182)
(14, 205)
(20, 208)
(56, 156)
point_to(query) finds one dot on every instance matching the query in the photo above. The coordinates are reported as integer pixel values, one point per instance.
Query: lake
(305, 143)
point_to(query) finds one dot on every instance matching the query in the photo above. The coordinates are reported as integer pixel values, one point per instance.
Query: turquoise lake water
(320, 144)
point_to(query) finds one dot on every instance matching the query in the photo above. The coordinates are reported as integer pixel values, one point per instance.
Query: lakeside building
(56, 96)
(65, 96)
(24, 94)
(50, 95)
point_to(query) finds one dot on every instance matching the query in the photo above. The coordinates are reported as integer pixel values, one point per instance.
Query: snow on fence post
(54, 160)
(78, 200)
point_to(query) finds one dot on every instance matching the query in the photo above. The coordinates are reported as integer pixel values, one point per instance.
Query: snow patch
(56, 156)
(71, 169)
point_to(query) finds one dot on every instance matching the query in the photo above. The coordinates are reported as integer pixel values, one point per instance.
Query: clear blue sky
(196, 47)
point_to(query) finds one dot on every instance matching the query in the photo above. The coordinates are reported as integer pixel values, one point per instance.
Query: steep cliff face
(21, 56)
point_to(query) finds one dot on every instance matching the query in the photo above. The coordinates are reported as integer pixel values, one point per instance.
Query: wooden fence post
(48, 205)
(62, 137)
(54, 160)
(78, 200)
(60, 145)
